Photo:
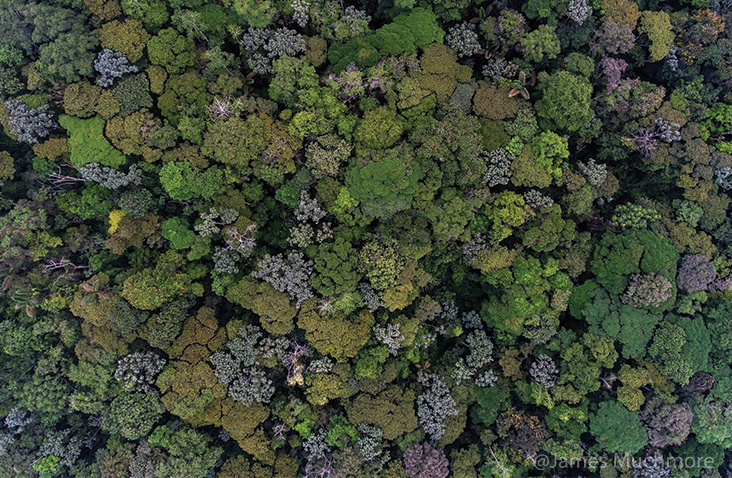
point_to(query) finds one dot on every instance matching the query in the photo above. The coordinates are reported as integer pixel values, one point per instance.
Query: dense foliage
(390, 238)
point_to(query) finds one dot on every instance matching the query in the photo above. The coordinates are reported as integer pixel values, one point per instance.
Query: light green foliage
(335, 335)
(506, 212)
(384, 185)
(182, 182)
(681, 348)
(380, 262)
(410, 31)
(713, 422)
(717, 123)
(657, 25)
(618, 430)
(568, 422)
(315, 225)
(47, 466)
(323, 111)
(87, 143)
(326, 154)
(410, 97)
(380, 129)
(151, 288)
(525, 170)
(257, 13)
(177, 231)
(541, 44)
(341, 432)
(582, 364)
(668, 343)
(550, 151)
(369, 362)
(580, 64)
(566, 102)
(634, 216)
(527, 293)
(344, 205)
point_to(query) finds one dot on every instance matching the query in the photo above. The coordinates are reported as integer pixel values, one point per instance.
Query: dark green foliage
(681, 348)
(93, 202)
(712, 423)
(184, 93)
(335, 268)
(404, 34)
(170, 50)
(632, 252)
(363, 51)
(187, 452)
(133, 415)
(616, 429)
(383, 186)
(153, 13)
(133, 93)
(488, 404)
(307, 238)
(632, 327)
(291, 76)
(136, 202)
(68, 58)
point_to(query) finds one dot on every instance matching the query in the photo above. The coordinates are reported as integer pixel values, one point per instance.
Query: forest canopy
(365, 239)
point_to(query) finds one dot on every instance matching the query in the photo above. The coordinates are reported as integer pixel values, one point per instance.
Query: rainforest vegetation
(365, 238)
